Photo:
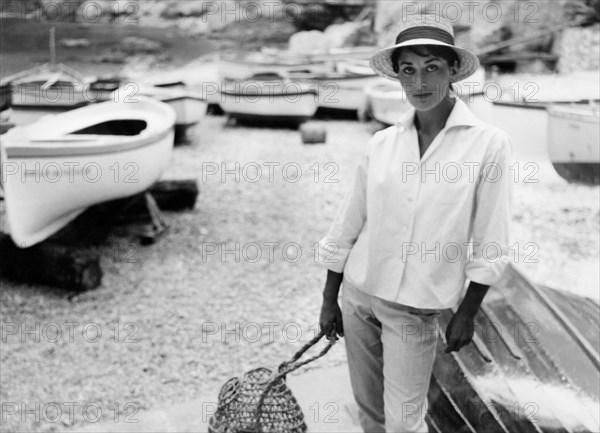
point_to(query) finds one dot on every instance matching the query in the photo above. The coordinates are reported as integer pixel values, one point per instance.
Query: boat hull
(386, 103)
(36, 94)
(573, 142)
(235, 69)
(28, 114)
(339, 91)
(49, 183)
(533, 365)
(293, 107)
(189, 109)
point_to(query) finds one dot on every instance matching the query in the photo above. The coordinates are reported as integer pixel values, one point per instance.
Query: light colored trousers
(391, 349)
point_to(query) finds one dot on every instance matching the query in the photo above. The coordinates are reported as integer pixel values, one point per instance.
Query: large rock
(307, 42)
(204, 17)
(578, 49)
(349, 34)
(486, 22)
(137, 45)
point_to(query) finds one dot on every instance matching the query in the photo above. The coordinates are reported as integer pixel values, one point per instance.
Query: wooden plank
(50, 264)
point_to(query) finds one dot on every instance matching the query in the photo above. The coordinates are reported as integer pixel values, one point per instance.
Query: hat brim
(381, 61)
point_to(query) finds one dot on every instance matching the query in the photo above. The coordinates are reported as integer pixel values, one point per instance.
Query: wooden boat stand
(70, 259)
(159, 226)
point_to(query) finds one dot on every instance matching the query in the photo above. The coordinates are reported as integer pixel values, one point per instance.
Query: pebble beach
(234, 284)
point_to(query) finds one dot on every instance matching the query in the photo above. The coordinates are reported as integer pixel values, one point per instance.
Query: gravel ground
(189, 319)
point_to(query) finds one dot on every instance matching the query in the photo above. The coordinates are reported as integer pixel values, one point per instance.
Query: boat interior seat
(115, 127)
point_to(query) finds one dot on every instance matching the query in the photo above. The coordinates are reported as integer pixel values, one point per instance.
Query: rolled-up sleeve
(350, 218)
(492, 216)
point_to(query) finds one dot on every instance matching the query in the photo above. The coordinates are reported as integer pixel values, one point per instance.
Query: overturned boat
(55, 168)
(533, 365)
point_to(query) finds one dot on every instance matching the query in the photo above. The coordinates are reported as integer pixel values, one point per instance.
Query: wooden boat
(533, 365)
(5, 110)
(236, 68)
(190, 108)
(5, 96)
(101, 89)
(357, 55)
(269, 98)
(574, 141)
(339, 90)
(518, 105)
(60, 165)
(386, 101)
(46, 89)
(355, 66)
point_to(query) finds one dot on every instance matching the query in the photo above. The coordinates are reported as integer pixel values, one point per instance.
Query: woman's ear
(453, 69)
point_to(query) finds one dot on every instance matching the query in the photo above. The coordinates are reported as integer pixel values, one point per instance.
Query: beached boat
(386, 101)
(5, 96)
(243, 67)
(5, 110)
(518, 105)
(574, 141)
(533, 365)
(356, 66)
(46, 89)
(358, 55)
(190, 107)
(339, 90)
(269, 98)
(101, 89)
(57, 167)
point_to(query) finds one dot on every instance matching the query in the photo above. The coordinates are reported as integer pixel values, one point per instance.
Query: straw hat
(424, 29)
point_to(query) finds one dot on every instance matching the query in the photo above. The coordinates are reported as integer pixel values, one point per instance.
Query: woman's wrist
(329, 298)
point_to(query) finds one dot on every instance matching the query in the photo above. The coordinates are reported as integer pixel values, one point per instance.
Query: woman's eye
(432, 68)
(408, 70)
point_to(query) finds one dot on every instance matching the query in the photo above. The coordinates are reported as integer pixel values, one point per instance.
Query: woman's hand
(330, 319)
(461, 328)
(459, 331)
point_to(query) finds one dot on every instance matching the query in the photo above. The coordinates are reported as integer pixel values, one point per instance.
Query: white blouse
(411, 230)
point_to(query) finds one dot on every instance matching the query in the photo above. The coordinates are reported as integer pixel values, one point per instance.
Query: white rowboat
(54, 169)
(190, 108)
(339, 90)
(269, 98)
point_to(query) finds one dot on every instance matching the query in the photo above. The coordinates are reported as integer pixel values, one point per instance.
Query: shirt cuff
(482, 271)
(332, 255)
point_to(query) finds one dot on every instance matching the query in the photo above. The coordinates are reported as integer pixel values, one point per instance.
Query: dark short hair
(446, 53)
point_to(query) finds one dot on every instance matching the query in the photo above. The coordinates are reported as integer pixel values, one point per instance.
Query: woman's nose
(419, 81)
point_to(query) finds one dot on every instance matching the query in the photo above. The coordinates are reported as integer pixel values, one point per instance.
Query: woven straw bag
(260, 401)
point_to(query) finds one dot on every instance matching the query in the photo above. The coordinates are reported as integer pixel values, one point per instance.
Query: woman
(429, 208)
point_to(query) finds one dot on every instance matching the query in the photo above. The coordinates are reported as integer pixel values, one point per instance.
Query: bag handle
(291, 365)
(287, 367)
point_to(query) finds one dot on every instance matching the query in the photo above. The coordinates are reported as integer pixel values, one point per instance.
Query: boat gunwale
(25, 152)
(270, 94)
(332, 77)
(174, 98)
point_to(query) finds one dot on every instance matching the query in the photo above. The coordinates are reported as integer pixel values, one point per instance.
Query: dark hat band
(425, 32)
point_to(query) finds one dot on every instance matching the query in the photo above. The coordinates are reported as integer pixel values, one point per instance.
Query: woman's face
(425, 78)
